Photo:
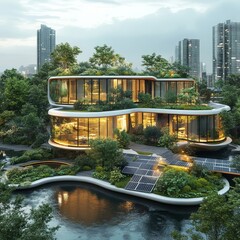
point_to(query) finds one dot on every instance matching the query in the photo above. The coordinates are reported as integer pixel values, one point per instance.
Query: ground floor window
(79, 131)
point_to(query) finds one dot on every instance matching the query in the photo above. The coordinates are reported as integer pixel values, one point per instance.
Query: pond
(87, 212)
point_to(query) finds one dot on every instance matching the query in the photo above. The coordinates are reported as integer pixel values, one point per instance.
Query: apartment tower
(46, 43)
(226, 50)
(188, 54)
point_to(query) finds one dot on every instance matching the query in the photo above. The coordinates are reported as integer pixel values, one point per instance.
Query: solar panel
(131, 186)
(129, 170)
(148, 179)
(136, 178)
(143, 187)
(141, 171)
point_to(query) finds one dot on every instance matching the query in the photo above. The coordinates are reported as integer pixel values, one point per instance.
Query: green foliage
(179, 183)
(228, 122)
(17, 223)
(106, 153)
(170, 97)
(82, 161)
(34, 154)
(64, 57)
(30, 174)
(167, 140)
(151, 135)
(188, 95)
(115, 176)
(155, 65)
(122, 137)
(105, 57)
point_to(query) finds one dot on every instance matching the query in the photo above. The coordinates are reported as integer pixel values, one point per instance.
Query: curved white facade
(73, 129)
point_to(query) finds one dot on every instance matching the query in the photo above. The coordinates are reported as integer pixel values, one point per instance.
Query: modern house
(73, 129)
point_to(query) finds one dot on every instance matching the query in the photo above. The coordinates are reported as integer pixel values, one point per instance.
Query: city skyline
(131, 28)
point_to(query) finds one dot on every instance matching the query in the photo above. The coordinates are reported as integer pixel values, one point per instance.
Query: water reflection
(88, 212)
(91, 208)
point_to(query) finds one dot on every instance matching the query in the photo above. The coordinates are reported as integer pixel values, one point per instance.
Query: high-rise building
(46, 43)
(226, 49)
(187, 53)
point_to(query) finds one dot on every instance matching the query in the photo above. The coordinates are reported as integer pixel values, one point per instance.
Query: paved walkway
(14, 147)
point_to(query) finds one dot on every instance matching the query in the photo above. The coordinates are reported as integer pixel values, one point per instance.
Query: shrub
(151, 134)
(167, 140)
(84, 160)
(115, 176)
(122, 137)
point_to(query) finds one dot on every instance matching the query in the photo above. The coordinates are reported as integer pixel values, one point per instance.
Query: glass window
(88, 90)
(55, 86)
(110, 127)
(95, 90)
(64, 92)
(103, 128)
(193, 133)
(203, 128)
(93, 128)
(72, 91)
(182, 127)
(103, 90)
(83, 132)
(157, 89)
(80, 89)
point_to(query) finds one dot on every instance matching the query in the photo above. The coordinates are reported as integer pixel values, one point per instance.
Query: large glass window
(95, 90)
(64, 92)
(83, 132)
(93, 128)
(88, 90)
(193, 133)
(103, 90)
(80, 89)
(72, 91)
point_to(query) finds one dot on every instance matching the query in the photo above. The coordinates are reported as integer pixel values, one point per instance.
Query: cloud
(131, 27)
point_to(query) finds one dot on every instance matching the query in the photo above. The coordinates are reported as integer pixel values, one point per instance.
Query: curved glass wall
(77, 132)
(68, 91)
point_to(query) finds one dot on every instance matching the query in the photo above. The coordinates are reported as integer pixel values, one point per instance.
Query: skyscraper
(188, 54)
(226, 49)
(46, 43)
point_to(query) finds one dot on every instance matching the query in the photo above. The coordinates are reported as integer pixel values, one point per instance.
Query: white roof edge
(59, 112)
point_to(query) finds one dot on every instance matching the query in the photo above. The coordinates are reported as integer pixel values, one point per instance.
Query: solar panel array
(146, 169)
(218, 165)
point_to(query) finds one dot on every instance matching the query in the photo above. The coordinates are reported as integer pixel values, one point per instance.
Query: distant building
(28, 71)
(46, 42)
(226, 50)
(187, 53)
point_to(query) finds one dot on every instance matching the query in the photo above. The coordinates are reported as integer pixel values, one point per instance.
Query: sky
(131, 27)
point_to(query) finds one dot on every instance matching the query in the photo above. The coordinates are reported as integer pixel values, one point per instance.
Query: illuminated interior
(77, 131)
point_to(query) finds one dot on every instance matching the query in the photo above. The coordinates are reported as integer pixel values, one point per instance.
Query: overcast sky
(131, 27)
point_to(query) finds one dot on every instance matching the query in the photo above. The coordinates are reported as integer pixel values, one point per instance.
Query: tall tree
(155, 64)
(106, 57)
(17, 223)
(64, 57)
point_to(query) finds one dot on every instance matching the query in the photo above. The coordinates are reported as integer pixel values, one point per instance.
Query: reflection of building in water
(87, 208)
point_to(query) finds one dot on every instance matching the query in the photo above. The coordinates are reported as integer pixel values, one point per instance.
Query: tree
(188, 95)
(236, 162)
(122, 137)
(17, 223)
(151, 135)
(155, 64)
(106, 153)
(64, 57)
(167, 140)
(217, 217)
(15, 93)
(105, 57)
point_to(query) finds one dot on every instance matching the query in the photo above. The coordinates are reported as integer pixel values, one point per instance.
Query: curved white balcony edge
(59, 112)
(108, 186)
(66, 147)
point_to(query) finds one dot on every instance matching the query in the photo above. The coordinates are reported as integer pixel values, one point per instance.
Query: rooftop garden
(119, 99)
